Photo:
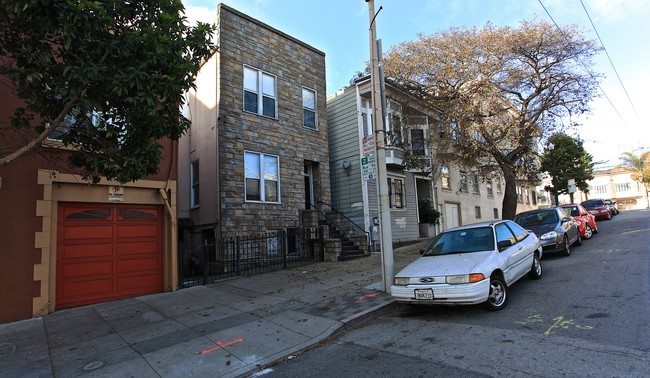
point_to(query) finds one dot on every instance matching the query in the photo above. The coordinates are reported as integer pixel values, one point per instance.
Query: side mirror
(567, 219)
(503, 244)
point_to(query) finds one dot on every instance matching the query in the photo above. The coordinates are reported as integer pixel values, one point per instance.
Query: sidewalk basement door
(107, 251)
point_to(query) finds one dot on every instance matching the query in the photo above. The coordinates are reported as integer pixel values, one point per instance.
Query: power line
(584, 65)
(610, 61)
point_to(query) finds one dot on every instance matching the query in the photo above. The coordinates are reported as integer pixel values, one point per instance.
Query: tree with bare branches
(502, 92)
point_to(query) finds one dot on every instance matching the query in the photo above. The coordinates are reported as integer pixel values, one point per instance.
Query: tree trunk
(509, 206)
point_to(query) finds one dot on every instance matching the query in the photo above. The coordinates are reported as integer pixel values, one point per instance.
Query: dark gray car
(554, 226)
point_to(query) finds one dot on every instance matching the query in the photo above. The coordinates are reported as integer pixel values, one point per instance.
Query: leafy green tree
(563, 159)
(501, 91)
(639, 167)
(105, 77)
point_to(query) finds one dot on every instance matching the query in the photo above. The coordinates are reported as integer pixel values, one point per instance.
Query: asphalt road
(589, 315)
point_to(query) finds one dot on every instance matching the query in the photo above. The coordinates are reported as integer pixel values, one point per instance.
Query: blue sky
(339, 28)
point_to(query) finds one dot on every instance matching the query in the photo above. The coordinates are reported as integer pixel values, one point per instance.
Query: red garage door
(107, 251)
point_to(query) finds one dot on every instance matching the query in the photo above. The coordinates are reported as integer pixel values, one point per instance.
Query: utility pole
(385, 233)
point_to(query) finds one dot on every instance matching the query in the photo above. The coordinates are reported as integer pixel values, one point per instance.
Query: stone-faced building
(256, 155)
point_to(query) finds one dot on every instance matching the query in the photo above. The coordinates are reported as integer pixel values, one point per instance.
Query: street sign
(571, 186)
(368, 167)
(368, 145)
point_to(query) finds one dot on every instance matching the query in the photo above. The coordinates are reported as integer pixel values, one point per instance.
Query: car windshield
(574, 210)
(462, 241)
(536, 219)
(593, 203)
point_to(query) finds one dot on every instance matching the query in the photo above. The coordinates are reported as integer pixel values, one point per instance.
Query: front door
(309, 184)
(452, 216)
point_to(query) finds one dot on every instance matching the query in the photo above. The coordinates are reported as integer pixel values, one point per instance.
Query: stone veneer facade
(242, 41)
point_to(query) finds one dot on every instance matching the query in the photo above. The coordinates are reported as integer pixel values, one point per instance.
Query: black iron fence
(205, 261)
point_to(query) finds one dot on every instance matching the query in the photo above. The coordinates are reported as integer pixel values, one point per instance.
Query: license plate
(423, 293)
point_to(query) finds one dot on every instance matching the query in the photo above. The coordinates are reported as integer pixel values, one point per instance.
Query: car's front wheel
(588, 232)
(535, 270)
(498, 297)
(566, 250)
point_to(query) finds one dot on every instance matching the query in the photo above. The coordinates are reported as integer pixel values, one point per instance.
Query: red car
(586, 221)
(597, 208)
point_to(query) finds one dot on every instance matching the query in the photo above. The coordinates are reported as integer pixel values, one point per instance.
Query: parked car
(597, 208)
(556, 229)
(611, 205)
(586, 222)
(471, 264)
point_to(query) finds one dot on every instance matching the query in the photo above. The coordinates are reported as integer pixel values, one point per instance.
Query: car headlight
(549, 235)
(400, 281)
(464, 278)
(603, 210)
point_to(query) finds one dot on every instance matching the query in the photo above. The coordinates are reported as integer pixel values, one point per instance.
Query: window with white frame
(463, 181)
(444, 177)
(366, 119)
(418, 144)
(520, 195)
(623, 187)
(490, 190)
(194, 179)
(599, 189)
(309, 108)
(262, 176)
(396, 193)
(394, 123)
(75, 118)
(259, 92)
(499, 186)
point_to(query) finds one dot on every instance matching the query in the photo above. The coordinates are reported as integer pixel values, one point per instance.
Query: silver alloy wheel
(588, 232)
(497, 293)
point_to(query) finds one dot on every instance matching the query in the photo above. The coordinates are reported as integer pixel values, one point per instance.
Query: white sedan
(471, 264)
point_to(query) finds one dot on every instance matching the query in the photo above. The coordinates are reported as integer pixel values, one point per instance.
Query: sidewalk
(227, 329)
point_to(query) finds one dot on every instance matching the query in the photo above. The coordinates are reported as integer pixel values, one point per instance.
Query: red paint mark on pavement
(363, 298)
(221, 345)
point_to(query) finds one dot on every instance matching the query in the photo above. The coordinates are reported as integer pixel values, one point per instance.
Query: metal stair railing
(366, 233)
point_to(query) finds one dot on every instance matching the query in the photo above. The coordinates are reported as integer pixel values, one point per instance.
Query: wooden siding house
(456, 192)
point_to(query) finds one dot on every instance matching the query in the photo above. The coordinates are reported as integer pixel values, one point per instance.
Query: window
(475, 187)
(499, 187)
(394, 123)
(396, 193)
(490, 191)
(366, 118)
(477, 212)
(520, 196)
(75, 118)
(441, 129)
(259, 92)
(527, 194)
(262, 177)
(599, 189)
(534, 197)
(309, 108)
(194, 179)
(624, 187)
(417, 142)
(463, 181)
(444, 171)
(496, 213)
